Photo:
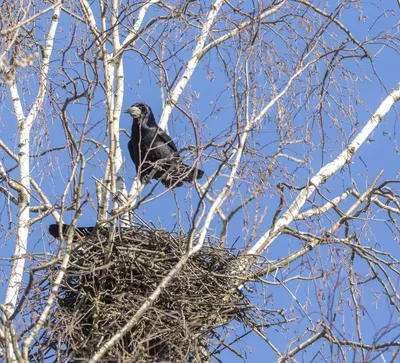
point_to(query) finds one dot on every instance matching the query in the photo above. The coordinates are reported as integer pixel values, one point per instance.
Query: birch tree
(288, 106)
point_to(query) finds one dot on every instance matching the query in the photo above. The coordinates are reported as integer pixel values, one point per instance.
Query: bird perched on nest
(80, 232)
(154, 153)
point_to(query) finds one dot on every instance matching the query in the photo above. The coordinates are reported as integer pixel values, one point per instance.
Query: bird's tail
(180, 174)
(194, 173)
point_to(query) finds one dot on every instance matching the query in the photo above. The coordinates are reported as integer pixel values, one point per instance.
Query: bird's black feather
(154, 153)
(78, 233)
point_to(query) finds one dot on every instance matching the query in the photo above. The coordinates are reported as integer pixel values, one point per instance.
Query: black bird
(154, 153)
(80, 232)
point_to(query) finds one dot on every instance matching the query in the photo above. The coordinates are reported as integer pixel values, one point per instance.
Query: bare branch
(327, 171)
(27, 21)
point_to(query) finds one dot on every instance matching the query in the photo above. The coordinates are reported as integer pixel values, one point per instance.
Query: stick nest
(106, 283)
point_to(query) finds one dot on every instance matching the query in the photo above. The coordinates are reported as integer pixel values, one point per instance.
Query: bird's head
(138, 110)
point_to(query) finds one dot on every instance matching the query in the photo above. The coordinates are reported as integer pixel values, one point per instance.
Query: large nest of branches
(107, 283)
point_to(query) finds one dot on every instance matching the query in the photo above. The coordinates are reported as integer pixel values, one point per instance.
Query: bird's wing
(134, 156)
(167, 140)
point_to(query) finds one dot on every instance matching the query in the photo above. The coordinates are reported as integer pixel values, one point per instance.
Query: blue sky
(209, 100)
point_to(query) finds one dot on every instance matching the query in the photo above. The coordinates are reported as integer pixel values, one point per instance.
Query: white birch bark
(114, 80)
(114, 90)
(24, 130)
(118, 91)
(18, 263)
(191, 65)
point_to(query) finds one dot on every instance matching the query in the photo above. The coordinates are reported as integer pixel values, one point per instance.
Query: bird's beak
(134, 111)
(126, 111)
